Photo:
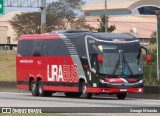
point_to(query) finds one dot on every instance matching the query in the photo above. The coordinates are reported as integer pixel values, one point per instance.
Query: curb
(7, 84)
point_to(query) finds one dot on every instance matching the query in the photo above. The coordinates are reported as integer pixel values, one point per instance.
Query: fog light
(140, 89)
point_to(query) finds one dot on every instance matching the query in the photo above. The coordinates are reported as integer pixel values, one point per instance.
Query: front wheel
(34, 88)
(84, 92)
(121, 95)
(41, 91)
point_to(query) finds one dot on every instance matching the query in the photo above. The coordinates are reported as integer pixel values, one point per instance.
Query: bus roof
(80, 35)
(104, 36)
(115, 36)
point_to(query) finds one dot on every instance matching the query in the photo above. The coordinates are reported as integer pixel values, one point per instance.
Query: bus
(80, 64)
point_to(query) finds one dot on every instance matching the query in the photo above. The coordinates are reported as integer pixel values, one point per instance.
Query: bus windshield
(121, 64)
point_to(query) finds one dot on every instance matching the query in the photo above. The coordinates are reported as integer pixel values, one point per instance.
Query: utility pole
(43, 16)
(158, 45)
(106, 20)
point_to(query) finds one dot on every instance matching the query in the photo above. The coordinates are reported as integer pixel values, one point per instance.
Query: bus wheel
(84, 93)
(34, 88)
(41, 91)
(121, 95)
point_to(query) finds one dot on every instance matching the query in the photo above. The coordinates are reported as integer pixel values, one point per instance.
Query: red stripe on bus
(114, 90)
(61, 88)
(39, 37)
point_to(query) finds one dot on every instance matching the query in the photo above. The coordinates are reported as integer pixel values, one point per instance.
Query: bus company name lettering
(62, 73)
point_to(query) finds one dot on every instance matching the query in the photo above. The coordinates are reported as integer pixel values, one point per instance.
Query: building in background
(121, 7)
(126, 15)
(8, 36)
(3, 33)
(144, 24)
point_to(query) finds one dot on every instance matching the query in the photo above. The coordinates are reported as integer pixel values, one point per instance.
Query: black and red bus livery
(80, 64)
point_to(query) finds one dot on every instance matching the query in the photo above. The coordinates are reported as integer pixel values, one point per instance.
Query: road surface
(8, 99)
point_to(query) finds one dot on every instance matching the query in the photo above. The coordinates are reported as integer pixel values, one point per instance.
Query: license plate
(123, 90)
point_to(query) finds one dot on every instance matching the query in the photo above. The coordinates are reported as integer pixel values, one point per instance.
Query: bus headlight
(140, 81)
(102, 81)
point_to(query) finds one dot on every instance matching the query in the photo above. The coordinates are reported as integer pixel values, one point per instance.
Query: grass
(7, 65)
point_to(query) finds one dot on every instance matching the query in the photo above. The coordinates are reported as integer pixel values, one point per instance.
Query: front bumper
(114, 90)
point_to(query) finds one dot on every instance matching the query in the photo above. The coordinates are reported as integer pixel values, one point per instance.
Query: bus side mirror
(148, 57)
(85, 66)
(100, 58)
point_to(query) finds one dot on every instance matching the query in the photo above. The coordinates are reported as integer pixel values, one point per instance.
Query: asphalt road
(8, 99)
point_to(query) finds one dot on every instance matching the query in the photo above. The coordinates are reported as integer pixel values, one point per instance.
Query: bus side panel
(53, 64)
(54, 71)
(26, 67)
(59, 73)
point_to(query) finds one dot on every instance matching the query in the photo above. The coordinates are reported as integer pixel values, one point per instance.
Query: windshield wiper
(125, 62)
(117, 64)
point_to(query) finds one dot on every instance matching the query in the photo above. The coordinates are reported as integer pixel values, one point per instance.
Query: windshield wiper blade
(117, 64)
(125, 62)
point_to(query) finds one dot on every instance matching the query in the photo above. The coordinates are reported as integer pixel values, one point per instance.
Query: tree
(150, 70)
(61, 15)
(102, 24)
(153, 38)
(64, 12)
(80, 24)
(26, 23)
(30, 23)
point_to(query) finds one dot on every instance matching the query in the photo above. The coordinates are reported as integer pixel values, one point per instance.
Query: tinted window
(37, 48)
(42, 48)
(55, 48)
(25, 47)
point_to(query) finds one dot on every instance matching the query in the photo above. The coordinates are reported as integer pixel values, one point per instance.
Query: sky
(10, 9)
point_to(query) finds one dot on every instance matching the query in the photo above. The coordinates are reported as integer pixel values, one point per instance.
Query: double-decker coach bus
(80, 64)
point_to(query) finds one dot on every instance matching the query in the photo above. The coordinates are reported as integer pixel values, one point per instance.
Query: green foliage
(153, 38)
(28, 23)
(64, 8)
(102, 24)
(150, 70)
(79, 24)
(7, 65)
(61, 15)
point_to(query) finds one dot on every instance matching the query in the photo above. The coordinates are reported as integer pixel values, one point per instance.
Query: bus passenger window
(36, 53)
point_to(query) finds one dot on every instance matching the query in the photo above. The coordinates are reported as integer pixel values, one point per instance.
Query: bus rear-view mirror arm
(148, 55)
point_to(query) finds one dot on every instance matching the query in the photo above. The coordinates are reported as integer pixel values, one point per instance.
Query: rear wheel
(41, 91)
(34, 88)
(121, 95)
(84, 92)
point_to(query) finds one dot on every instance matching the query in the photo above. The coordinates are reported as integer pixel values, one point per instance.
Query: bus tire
(41, 91)
(34, 90)
(84, 93)
(121, 95)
